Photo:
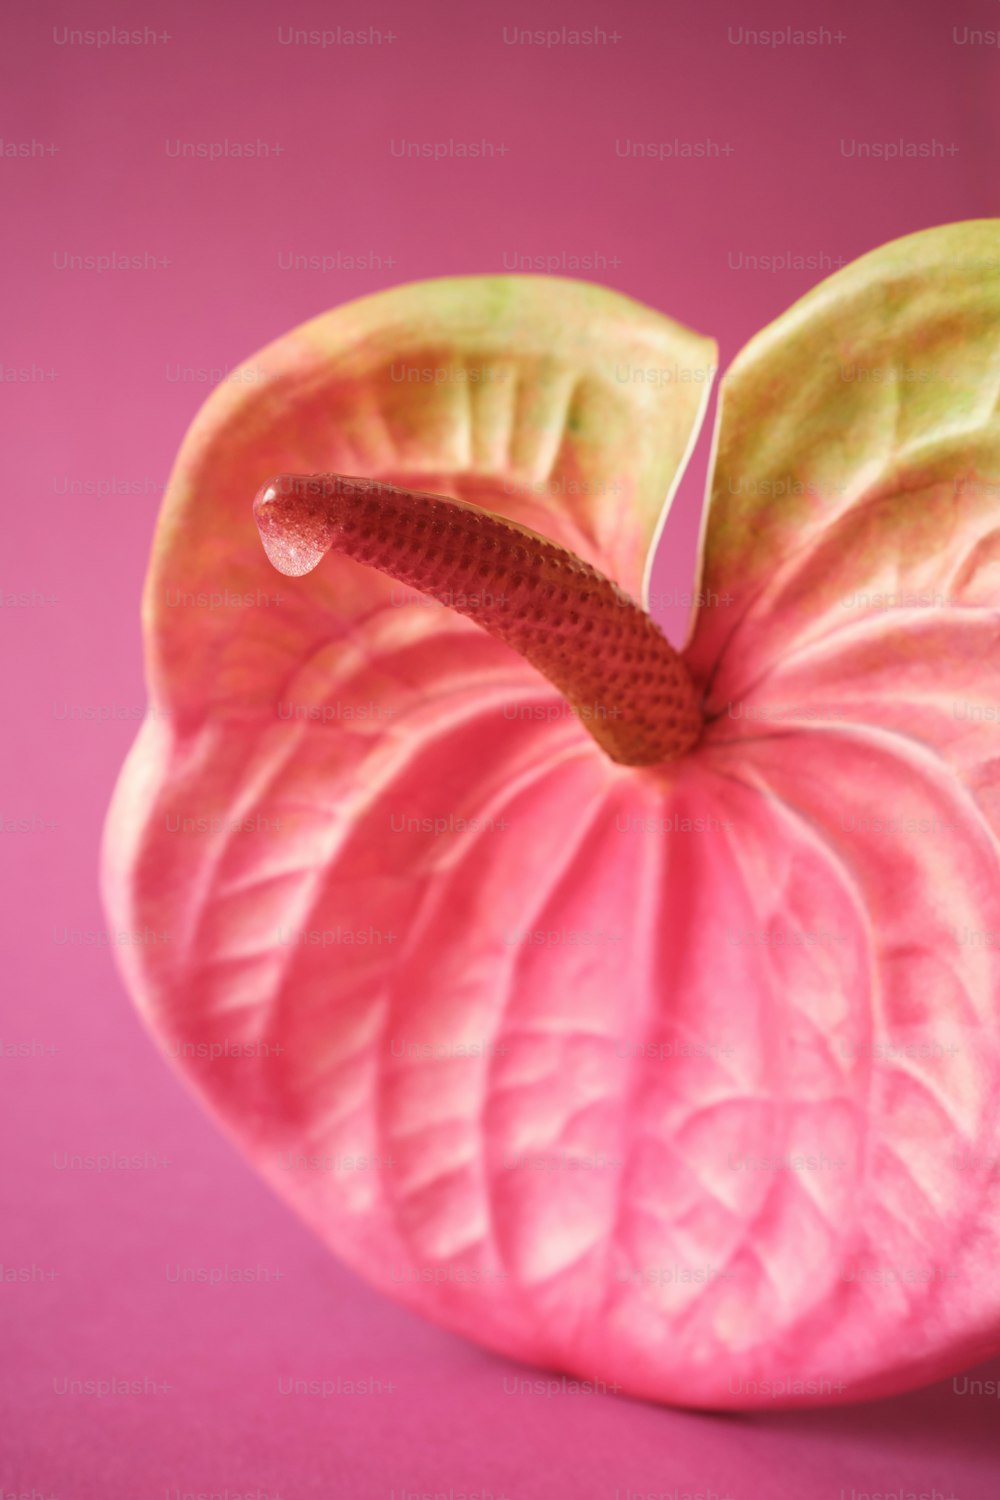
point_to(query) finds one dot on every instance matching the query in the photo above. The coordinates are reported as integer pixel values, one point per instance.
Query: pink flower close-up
(631, 1010)
(500, 740)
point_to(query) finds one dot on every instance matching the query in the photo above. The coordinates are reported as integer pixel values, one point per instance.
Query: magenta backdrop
(95, 403)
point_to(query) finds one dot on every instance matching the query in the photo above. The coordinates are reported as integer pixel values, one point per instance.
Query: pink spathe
(690, 1149)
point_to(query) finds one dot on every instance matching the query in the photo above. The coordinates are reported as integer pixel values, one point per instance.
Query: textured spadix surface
(684, 1077)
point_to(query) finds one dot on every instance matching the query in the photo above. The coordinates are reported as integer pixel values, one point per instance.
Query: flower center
(613, 664)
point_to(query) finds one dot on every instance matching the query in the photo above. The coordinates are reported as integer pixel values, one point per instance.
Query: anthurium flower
(631, 1011)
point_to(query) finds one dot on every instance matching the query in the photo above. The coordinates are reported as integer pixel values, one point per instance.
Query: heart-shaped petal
(682, 1076)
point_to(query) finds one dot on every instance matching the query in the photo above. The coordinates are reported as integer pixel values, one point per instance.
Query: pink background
(95, 1248)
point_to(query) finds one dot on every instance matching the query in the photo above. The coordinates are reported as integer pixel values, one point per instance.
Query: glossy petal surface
(683, 1078)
